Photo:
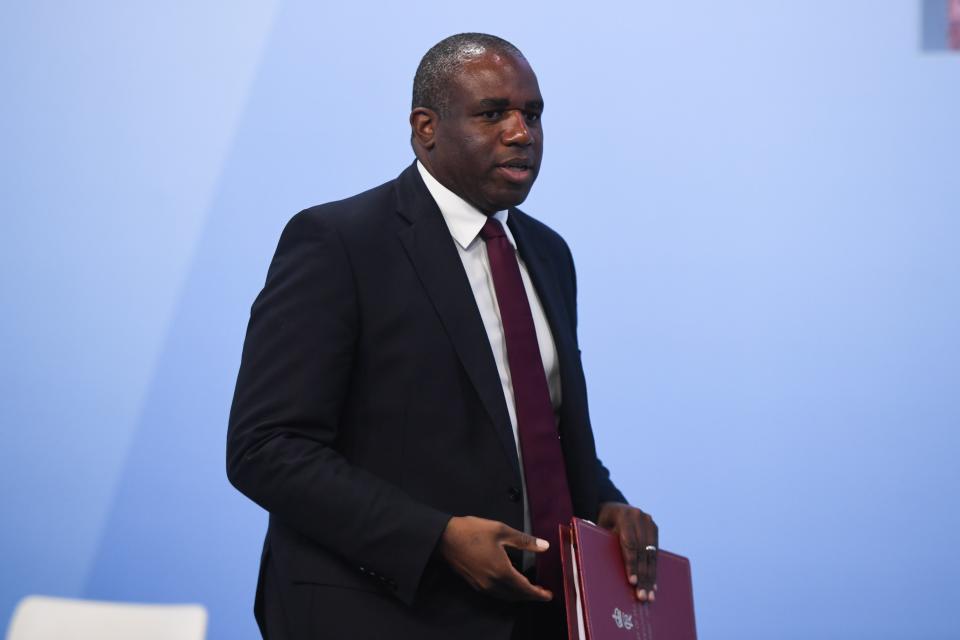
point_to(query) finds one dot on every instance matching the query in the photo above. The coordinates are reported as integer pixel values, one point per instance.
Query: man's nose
(517, 132)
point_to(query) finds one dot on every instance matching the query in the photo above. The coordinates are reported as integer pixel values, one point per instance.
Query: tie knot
(492, 229)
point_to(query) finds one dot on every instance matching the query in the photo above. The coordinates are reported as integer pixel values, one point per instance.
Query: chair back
(46, 618)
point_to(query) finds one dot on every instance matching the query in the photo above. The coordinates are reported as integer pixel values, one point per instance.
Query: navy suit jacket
(368, 411)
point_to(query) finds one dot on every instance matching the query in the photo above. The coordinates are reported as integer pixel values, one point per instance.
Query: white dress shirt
(464, 222)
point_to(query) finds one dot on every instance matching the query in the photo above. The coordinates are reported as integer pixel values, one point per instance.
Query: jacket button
(515, 494)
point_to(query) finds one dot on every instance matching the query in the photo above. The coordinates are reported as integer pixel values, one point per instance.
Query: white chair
(44, 618)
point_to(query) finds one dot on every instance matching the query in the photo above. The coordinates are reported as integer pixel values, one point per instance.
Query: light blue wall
(762, 198)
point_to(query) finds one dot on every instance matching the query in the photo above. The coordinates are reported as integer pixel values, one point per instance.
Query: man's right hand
(474, 547)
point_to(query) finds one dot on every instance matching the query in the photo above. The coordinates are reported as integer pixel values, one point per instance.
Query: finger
(653, 535)
(645, 585)
(630, 551)
(516, 587)
(652, 570)
(648, 568)
(648, 560)
(520, 540)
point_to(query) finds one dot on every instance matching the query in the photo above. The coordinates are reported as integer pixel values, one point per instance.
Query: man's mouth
(516, 170)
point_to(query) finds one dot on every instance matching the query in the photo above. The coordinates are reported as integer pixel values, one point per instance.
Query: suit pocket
(302, 562)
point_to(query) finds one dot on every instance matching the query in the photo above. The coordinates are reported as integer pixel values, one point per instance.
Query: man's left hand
(636, 531)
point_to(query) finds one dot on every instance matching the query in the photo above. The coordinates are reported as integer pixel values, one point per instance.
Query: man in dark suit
(411, 407)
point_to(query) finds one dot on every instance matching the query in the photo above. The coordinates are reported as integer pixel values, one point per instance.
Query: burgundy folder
(602, 605)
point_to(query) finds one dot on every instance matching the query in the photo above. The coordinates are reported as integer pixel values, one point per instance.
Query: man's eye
(492, 115)
(532, 116)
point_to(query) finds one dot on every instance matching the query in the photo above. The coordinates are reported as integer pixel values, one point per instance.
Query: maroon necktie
(543, 467)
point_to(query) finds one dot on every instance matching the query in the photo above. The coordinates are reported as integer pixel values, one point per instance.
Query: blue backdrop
(762, 199)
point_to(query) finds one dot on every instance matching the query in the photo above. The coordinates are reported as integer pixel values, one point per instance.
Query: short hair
(431, 83)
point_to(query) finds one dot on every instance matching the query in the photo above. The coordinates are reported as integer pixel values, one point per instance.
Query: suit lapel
(431, 249)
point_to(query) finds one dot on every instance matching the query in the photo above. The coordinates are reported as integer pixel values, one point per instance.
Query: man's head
(476, 120)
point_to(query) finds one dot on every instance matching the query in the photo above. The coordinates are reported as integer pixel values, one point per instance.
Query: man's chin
(507, 198)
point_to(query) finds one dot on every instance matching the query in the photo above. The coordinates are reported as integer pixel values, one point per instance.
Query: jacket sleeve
(294, 376)
(608, 491)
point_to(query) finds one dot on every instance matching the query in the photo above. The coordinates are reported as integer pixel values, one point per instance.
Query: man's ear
(423, 122)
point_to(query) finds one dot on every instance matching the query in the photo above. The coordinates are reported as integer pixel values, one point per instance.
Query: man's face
(488, 145)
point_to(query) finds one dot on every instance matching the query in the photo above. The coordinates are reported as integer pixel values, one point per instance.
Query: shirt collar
(463, 219)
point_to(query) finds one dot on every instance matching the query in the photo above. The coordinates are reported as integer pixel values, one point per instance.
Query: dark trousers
(537, 621)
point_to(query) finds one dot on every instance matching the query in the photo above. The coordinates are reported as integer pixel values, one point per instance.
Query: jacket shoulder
(354, 212)
(543, 234)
